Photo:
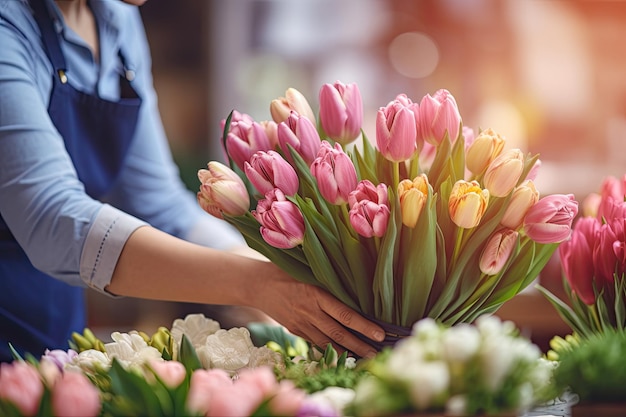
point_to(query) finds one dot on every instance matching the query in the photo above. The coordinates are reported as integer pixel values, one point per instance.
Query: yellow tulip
(485, 148)
(467, 203)
(413, 196)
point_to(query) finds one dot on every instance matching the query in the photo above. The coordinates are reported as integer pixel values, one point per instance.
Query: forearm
(155, 265)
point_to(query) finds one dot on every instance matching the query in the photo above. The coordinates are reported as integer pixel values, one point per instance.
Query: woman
(89, 194)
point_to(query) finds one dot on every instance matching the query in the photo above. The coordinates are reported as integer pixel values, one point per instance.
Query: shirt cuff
(103, 246)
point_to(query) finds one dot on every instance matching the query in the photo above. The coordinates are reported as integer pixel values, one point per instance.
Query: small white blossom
(460, 343)
(432, 380)
(350, 363)
(263, 356)
(130, 349)
(89, 360)
(336, 398)
(456, 405)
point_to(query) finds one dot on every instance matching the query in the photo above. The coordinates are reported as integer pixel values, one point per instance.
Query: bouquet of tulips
(426, 221)
(594, 262)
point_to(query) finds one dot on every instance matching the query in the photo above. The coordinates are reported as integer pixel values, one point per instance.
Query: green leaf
(261, 333)
(188, 356)
(565, 312)
(132, 393)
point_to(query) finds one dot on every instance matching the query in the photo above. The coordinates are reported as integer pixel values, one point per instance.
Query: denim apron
(38, 312)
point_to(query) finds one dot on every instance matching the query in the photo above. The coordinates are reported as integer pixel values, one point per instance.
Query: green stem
(396, 175)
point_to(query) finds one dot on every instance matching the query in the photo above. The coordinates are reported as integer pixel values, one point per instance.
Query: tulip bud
(271, 130)
(369, 219)
(299, 133)
(413, 196)
(365, 190)
(341, 111)
(396, 129)
(550, 220)
(497, 251)
(244, 139)
(467, 203)
(369, 209)
(282, 223)
(485, 148)
(282, 107)
(269, 170)
(576, 256)
(590, 205)
(504, 172)
(612, 190)
(335, 173)
(524, 197)
(221, 190)
(438, 114)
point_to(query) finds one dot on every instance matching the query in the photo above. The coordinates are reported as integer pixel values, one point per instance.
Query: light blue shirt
(64, 232)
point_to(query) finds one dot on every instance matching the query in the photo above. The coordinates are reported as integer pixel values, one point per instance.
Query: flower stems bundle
(424, 221)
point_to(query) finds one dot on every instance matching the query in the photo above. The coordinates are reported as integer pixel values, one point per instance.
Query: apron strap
(50, 38)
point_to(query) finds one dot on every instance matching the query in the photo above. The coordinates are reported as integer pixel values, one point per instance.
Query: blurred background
(549, 75)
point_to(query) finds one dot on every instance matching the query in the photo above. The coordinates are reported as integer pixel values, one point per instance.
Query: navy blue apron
(38, 312)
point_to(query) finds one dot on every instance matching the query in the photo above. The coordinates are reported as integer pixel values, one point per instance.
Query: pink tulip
(550, 220)
(172, 373)
(74, 395)
(287, 399)
(20, 384)
(438, 114)
(244, 139)
(235, 400)
(534, 171)
(282, 224)
(282, 107)
(523, 198)
(269, 170)
(271, 130)
(577, 259)
(467, 203)
(299, 133)
(341, 111)
(365, 190)
(222, 191)
(396, 129)
(611, 190)
(203, 386)
(504, 172)
(369, 209)
(497, 251)
(335, 173)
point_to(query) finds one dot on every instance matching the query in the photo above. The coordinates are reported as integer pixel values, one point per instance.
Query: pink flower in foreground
(396, 129)
(74, 395)
(282, 223)
(497, 251)
(172, 373)
(608, 254)
(21, 385)
(299, 133)
(550, 220)
(612, 190)
(203, 386)
(269, 170)
(221, 190)
(438, 114)
(341, 111)
(335, 173)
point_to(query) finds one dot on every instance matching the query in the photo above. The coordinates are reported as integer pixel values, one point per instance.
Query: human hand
(314, 314)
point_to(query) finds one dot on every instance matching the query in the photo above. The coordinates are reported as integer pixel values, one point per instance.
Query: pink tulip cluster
(596, 255)
(213, 393)
(23, 385)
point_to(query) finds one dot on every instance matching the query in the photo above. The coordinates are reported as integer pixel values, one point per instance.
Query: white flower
(131, 349)
(89, 360)
(460, 343)
(336, 398)
(226, 349)
(263, 356)
(426, 329)
(350, 363)
(432, 379)
(196, 327)
(456, 405)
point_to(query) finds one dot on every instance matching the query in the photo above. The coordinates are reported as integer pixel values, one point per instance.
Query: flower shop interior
(545, 74)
